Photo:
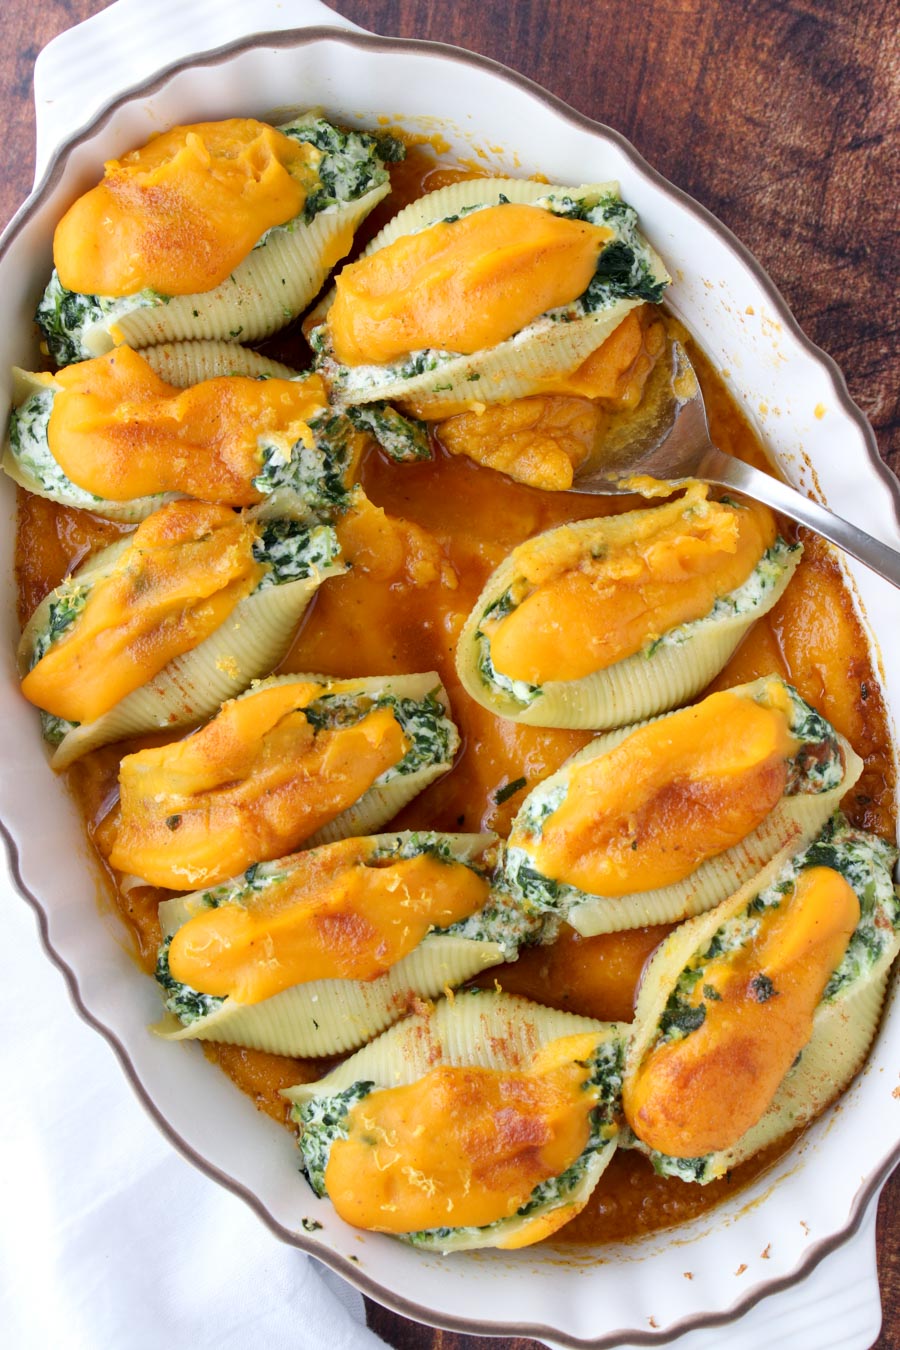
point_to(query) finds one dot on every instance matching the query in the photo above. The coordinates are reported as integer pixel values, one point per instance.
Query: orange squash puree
(617, 371)
(699, 1094)
(50, 542)
(462, 1146)
(593, 976)
(403, 602)
(333, 919)
(179, 214)
(461, 286)
(263, 1076)
(120, 431)
(632, 1201)
(590, 605)
(185, 569)
(672, 794)
(540, 441)
(249, 786)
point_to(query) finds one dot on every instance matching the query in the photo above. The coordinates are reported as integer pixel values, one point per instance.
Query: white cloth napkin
(109, 1240)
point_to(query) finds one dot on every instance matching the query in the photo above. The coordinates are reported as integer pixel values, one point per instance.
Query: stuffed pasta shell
(156, 630)
(316, 953)
(485, 1121)
(543, 439)
(121, 434)
(603, 622)
(752, 1018)
(653, 823)
(215, 230)
(298, 759)
(482, 291)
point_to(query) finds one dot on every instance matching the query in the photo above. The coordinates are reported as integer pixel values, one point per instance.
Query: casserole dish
(639, 1291)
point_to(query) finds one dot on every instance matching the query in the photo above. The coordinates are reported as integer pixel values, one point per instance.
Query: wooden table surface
(776, 115)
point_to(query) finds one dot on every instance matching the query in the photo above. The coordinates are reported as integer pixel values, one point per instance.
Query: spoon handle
(717, 467)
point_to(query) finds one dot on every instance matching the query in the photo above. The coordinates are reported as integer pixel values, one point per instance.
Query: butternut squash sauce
(484, 1137)
(333, 919)
(251, 785)
(442, 286)
(618, 832)
(180, 213)
(701, 1093)
(420, 560)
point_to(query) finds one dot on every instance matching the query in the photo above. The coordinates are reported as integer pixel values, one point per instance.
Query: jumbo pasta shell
(793, 823)
(30, 463)
(254, 638)
(669, 671)
(270, 286)
(488, 1030)
(334, 1016)
(513, 368)
(842, 1034)
(257, 783)
(844, 1022)
(273, 284)
(438, 205)
(187, 363)
(478, 1027)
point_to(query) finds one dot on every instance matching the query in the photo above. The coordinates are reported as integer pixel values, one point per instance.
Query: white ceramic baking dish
(816, 1197)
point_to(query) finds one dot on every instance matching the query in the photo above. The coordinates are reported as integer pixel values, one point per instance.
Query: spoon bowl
(666, 438)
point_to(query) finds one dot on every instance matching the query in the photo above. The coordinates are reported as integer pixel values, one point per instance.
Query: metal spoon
(668, 439)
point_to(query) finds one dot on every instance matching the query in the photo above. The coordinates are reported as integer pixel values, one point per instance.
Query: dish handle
(82, 69)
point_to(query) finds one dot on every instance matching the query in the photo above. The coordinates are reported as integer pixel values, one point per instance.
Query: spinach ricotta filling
(65, 607)
(30, 448)
(624, 269)
(817, 766)
(323, 1120)
(432, 736)
(739, 602)
(501, 921)
(314, 474)
(352, 163)
(403, 439)
(293, 551)
(188, 1005)
(350, 384)
(68, 318)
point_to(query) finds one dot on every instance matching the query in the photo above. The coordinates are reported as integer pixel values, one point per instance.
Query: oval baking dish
(722, 295)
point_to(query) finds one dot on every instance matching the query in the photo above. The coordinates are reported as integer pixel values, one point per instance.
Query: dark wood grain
(775, 114)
